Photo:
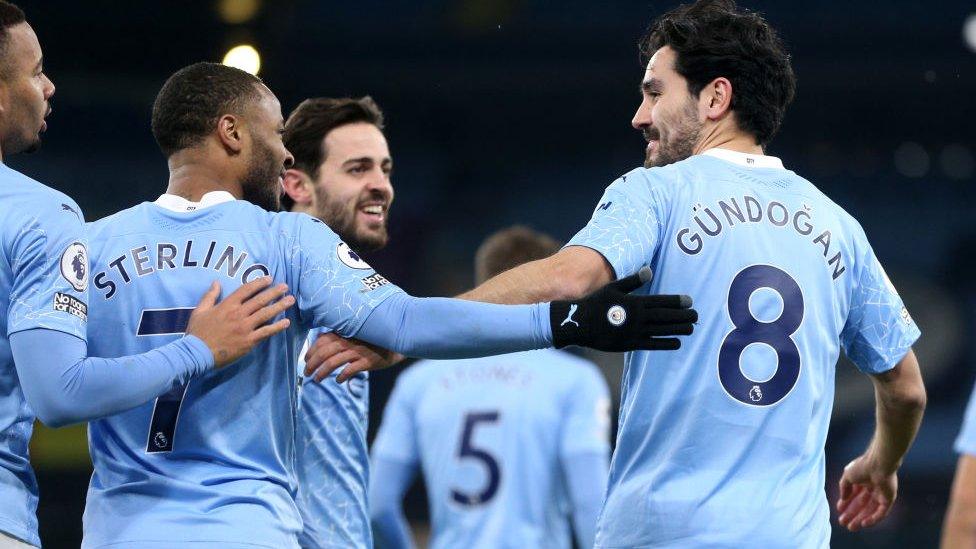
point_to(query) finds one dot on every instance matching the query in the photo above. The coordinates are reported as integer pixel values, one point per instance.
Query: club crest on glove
(617, 315)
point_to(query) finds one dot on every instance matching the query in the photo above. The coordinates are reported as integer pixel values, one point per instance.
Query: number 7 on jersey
(166, 411)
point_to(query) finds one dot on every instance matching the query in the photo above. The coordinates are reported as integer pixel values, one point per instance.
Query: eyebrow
(651, 84)
(386, 160)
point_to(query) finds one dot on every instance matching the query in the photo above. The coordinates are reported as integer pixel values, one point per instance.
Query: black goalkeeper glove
(611, 319)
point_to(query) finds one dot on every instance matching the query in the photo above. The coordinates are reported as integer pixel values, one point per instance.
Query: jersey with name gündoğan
(721, 443)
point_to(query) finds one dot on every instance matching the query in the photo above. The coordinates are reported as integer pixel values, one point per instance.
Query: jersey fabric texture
(490, 435)
(333, 460)
(212, 462)
(43, 284)
(722, 442)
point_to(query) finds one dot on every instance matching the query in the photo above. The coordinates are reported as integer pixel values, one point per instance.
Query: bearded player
(341, 176)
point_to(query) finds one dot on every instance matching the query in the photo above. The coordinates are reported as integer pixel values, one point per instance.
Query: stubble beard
(260, 184)
(341, 218)
(681, 141)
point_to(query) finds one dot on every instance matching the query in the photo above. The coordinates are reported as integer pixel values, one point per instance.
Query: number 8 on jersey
(749, 330)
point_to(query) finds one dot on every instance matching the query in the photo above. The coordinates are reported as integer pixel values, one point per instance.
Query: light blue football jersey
(490, 435)
(213, 462)
(722, 442)
(333, 460)
(43, 284)
(966, 441)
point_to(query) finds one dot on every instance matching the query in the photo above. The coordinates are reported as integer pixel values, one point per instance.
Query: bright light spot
(969, 31)
(912, 160)
(243, 57)
(236, 12)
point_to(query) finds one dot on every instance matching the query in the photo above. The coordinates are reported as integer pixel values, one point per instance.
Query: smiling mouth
(374, 212)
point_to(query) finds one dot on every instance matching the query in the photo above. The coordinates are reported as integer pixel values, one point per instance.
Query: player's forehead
(660, 67)
(22, 45)
(267, 105)
(359, 139)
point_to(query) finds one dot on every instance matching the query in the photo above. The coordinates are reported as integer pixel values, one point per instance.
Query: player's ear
(230, 133)
(715, 98)
(298, 186)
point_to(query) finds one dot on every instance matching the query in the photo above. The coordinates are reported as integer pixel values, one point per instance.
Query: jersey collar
(747, 160)
(179, 204)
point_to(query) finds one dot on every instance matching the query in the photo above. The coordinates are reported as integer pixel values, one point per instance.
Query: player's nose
(379, 182)
(48, 88)
(642, 118)
(289, 159)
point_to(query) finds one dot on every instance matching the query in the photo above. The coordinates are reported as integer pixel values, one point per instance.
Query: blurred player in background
(510, 446)
(959, 529)
(341, 176)
(44, 275)
(212, 462)
(722, 442)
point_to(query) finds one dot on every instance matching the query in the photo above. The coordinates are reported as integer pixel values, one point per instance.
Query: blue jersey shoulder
(25, 197)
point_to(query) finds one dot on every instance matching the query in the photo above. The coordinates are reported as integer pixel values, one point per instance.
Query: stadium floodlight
(237, 12)
(969, 31)
(244, 57)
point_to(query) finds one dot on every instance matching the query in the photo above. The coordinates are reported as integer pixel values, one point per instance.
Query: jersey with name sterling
(211, 461)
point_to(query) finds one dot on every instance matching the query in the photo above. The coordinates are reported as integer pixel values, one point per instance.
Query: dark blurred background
(505, 111)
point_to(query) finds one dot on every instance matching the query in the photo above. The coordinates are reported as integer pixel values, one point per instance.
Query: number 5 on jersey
(467, 450)
(166, 411)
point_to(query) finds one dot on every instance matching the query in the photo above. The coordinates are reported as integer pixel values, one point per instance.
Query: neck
(303, 208)
(722, 136)
(191, 179)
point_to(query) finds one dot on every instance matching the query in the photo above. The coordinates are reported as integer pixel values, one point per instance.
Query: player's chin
(370, 240)
(34, 145)
(650, 161)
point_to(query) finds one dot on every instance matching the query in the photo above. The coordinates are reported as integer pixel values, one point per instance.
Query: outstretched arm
(609, 319)
(64, 386)
(570, 273)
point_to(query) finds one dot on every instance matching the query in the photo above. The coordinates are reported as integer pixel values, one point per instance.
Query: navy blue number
(776, 334)
(166, 411)
(467, 450)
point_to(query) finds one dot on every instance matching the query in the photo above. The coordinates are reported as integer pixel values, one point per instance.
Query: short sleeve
(586, 423)
(966, 441)
(397, 437)
(334, 287)
(879, 331)
(48, 255)
(625, 227)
